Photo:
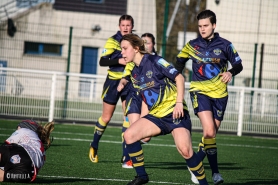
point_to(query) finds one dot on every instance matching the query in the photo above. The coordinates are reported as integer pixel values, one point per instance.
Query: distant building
(41, 40)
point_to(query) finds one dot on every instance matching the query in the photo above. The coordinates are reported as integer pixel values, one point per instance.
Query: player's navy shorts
(167, 124)
(18, 166)
(133, 102)
(201, 102)
(110, 94)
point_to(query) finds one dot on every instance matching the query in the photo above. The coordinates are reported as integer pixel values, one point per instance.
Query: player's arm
(236, 63)
(236, 69)
(182, 58)
(180, 64)
(172, 73)
(178, 110)
(227, 76)
(234, 59)
(122, 84)
(111, 48)
(111, 62)
(126, 76)
(128, 68)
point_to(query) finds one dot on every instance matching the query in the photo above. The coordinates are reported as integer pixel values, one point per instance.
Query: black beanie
(30, 124)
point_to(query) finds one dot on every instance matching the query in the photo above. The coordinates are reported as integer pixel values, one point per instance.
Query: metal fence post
(67, 76)
(52, 98)
(164, 39)
(253, 81)
(240, 112)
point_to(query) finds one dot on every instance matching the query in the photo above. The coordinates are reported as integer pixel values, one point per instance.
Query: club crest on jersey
(163, 62)
(176, 121)
(217, 51)
(149, 74)
(15, 159)
(219, 113)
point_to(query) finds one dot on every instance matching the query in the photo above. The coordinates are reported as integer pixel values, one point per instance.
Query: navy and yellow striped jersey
(209, 59)
(112, 50)
(154, 79)
(129, 66)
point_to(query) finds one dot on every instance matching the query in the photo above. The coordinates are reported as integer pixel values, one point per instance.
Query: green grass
(242, 160)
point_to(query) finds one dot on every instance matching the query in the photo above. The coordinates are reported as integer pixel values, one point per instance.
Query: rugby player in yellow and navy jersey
(135, 107)
(210, 54)
(161, 87)
(112, 57)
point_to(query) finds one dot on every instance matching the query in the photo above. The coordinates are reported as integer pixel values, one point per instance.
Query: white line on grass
(98, 179)
(166, 145)
(151, 144)
(106, 135)
(154, 138)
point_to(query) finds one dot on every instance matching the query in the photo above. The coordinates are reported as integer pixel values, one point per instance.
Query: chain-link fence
(58, 35)
(72, 97)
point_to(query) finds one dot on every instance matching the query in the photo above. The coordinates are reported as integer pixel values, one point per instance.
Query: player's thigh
(132, 117)
(208, 123)
(107, 111)
(183, 142)
(144, 109)
(206, 118)
(140, 129)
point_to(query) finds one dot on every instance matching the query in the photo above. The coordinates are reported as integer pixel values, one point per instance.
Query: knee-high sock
(136, 154)
(211, 150)
(125, 152)
(196, 166)
(99, 130)
(201, 150)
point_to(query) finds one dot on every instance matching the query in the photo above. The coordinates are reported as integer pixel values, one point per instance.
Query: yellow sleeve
(188, 52)
(128, 68)
(110, 46)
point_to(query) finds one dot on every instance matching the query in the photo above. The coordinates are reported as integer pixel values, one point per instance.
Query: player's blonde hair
(44, 134)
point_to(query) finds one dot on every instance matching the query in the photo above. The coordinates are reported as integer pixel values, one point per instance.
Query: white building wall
(48, 25)
(43, 24)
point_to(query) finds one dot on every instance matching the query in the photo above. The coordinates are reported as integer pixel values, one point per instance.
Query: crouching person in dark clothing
(22, 155)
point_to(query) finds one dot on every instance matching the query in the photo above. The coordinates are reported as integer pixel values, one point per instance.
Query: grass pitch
(242, 160)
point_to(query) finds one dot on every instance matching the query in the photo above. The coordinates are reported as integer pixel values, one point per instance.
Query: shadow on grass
(63, 145)
(63, 180)
(254, 182)
(222, 166)
(182, 166)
